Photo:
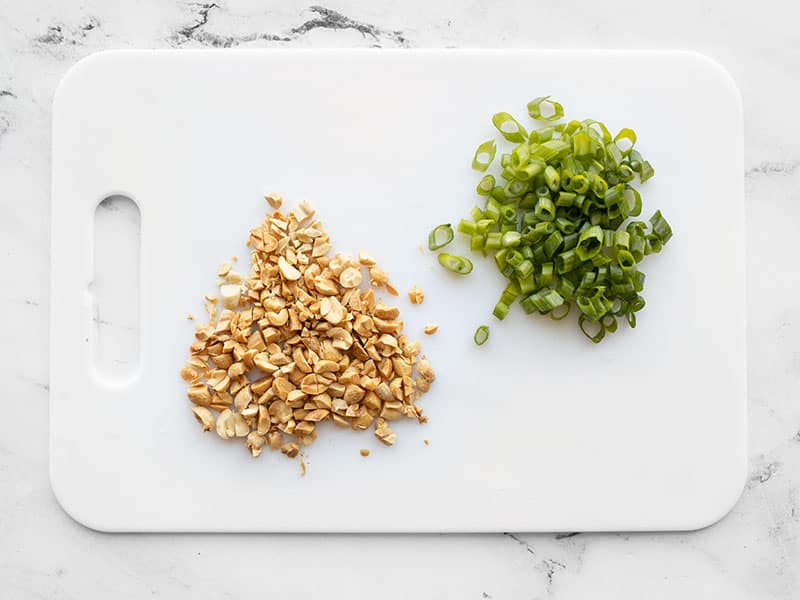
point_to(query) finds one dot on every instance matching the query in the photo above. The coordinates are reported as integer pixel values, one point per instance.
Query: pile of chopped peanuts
(301, 341)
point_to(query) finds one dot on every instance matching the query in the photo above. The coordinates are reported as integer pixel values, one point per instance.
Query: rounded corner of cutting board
(719, 72)
(76, 76)
(726, 500)
(71, 505)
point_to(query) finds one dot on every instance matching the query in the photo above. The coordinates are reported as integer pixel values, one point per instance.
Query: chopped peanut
(378, 277)
(298, 342)
(230, 295)
(415, 295)
(204, 416)
(384, 433)
(274, 200)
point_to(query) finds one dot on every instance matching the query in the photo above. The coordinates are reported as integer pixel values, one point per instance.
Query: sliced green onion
(511, 239)
(500, 310)
(485, 185)
(609, 323)
(599, 186)
(498, 193)
(583, 144)
(566, 177)
(608, 239)
(623, 289)
(570, 240)
(515, 188)
(552, 178)
(509, 128)
(600, 260)
(637, 304)
(556, 220)
(545, 209)
(528, 305)
(567, 261)
(553, 243)
(530, 170)
(456, 264)
(654, 244)
(520, 156)
(635, 209)
(565, 226)
(493, 241)
(600, 132)
(572, 127)
(527, 285)
(546, 276)
(527, 252)
(477, 242)
(590, 242)
(514, 258)
(485, 225)
(539, 257)
(545, 228)
(638, 246)
(646, 172)
(508, 212)
(613, 154)
(546, 300)
(528, 200)
(525, 269)
(552, 109)
(560, 312)
(580, 183)
(591, 328)
(627, 135)
(465, 226)
(440, 237)
(638, 281)
(538, 136)
(481, 335)
(626, 260)
(484, 155)
(660, 227)
(566, 198)
(551, 150)
(510, 293)
(529, 218)
(500, 259)
(622, 240)
(625, 173)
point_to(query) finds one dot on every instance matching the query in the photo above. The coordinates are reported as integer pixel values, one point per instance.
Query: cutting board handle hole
(116, 288)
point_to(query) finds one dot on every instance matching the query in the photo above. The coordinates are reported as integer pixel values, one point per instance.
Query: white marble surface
(752, 553)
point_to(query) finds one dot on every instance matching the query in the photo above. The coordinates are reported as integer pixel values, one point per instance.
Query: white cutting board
(537, 430)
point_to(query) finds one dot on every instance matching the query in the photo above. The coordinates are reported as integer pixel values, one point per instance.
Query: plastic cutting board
(537, 430)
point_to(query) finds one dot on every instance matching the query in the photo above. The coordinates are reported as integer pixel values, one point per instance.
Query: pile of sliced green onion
(558, 220)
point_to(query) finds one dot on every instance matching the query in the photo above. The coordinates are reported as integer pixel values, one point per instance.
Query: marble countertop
(753, 553)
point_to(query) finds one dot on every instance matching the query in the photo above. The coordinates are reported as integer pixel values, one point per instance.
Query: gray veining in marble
(752, 553)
